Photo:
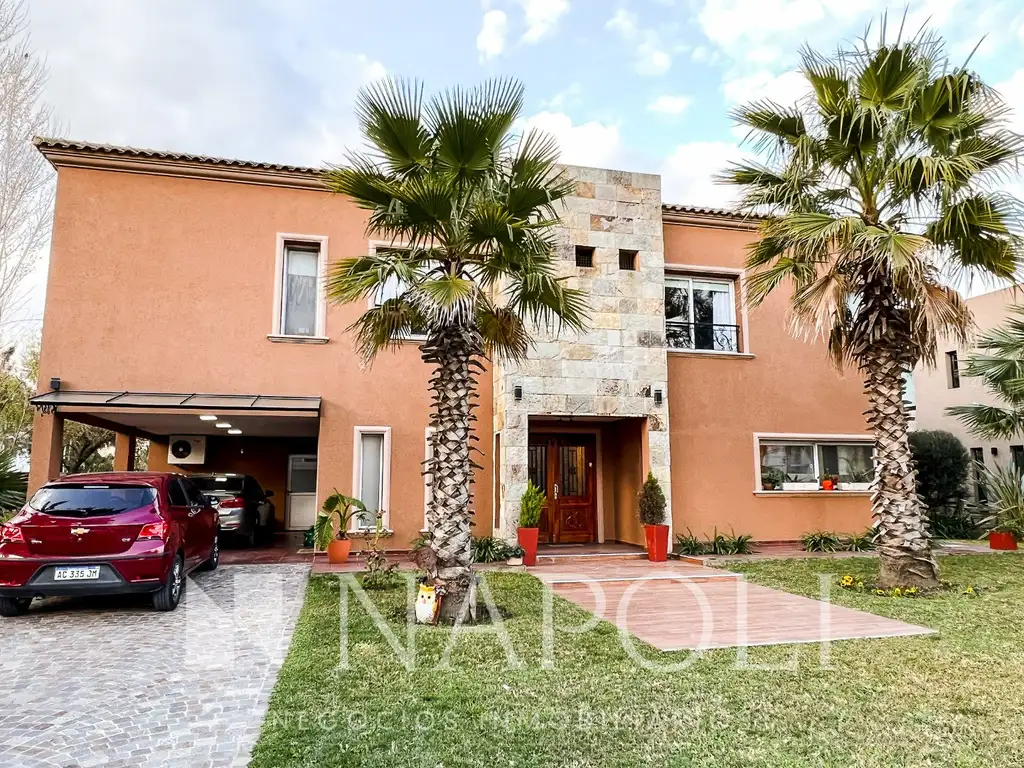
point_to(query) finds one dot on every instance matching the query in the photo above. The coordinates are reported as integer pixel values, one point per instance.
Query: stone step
(589, 557)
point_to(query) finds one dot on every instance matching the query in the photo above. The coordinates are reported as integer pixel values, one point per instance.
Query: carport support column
(47, 448)
(124, 453)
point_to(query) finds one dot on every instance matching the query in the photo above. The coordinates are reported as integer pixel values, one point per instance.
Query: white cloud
(669, 105)
(687, 174)
(1012, 92)
(491, 40)
(784, 89)
(592, 143)
(652, 58)
(622, 22)
(541, 17)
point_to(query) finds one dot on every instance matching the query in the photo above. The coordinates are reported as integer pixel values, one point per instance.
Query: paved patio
(109, 682)
(676, 606)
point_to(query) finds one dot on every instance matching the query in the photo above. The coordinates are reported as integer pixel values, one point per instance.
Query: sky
(642, 85)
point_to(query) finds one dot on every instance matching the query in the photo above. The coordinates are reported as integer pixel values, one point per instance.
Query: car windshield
(218, 483)
(88, 500)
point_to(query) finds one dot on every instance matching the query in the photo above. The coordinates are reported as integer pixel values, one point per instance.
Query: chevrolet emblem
(79, 531)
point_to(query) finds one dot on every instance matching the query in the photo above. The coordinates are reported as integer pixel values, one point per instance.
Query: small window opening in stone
(584, 256)
(627, 260)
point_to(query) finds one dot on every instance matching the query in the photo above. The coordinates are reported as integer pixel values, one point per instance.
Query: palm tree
(468, 209)
(13, 484)
(873, 188)
(999, 362)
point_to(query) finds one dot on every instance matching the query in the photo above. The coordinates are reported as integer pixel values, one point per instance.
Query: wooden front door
(565, 468)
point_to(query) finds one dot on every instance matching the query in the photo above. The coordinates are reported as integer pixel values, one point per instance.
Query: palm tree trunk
(902, 536)
(452, 353)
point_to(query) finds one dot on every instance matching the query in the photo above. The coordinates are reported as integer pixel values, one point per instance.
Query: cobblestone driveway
(113, 683)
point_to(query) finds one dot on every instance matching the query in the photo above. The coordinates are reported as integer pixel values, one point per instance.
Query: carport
(271, 437)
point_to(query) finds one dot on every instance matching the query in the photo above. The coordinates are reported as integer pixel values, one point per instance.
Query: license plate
(82, 573)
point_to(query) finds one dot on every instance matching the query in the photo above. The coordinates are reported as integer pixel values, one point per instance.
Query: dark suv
(246, 511)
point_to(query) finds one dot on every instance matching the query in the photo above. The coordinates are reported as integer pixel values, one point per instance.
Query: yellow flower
(879, 591)
(846, 581)
(897, 592)
(860, 585)
(911, 591)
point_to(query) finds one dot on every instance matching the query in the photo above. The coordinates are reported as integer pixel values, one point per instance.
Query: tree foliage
(651, 506)
(943, 465)
(873, 191)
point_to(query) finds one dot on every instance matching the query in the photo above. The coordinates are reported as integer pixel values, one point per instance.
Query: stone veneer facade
(613, 369)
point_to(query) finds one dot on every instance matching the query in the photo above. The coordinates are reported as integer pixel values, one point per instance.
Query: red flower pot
(1002, 540)
(528, 541)
(828, 485)
(657, 542)
(337, 551)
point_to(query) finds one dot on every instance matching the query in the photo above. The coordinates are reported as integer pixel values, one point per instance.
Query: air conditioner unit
(186, 449)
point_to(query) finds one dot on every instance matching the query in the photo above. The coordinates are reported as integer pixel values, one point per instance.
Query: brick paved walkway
(112, 683)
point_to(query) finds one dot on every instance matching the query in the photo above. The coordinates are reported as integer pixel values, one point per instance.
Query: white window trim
(277, 329)
(814, 440)
(370, 303)
(731, 276)
(357, 474)
(427, 455)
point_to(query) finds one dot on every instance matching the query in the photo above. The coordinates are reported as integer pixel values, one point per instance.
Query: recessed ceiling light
(222, 425)
(207, 417)
(234, 431)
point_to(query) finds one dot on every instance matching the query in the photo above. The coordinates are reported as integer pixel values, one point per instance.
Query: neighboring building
(183, 287)
(935, 389)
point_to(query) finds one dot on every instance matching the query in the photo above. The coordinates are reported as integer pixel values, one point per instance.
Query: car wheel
(251, 536)
(214, 559)
(169, 595)
(14, 606)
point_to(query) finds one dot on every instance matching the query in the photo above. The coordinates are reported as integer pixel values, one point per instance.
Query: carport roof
(175, 401)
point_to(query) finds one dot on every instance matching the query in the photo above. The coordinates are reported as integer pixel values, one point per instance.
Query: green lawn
(953, 699)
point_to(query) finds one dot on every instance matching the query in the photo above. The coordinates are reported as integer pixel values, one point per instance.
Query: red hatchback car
(107, 533)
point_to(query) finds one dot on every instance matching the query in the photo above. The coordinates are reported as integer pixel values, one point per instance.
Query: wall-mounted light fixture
(517, 392)
(657, 397)
(55, 384)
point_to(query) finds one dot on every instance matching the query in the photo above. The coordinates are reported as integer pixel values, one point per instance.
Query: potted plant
(651, 511)
(514, 555)
(772, 478)
(530, 506)
(1004, 486)
(829, 482)
(800, 483)
(342, 508)
(860, 481)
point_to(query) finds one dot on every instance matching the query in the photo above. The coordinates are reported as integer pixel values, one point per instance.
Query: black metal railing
(710, 336)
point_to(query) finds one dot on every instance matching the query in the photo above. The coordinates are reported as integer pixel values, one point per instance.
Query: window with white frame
(372, 475)
(815, 464)
(700, 314)
(300, 310)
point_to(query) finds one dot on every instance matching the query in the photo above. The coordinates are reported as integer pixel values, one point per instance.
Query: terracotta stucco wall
(718, 403)
(166, 284)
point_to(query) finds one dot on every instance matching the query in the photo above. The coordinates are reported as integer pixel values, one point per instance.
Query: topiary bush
(531, 504)
(943, 465)
(651, 508)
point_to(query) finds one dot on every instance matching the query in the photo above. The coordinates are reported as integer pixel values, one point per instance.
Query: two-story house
(938, 387)
(185, 306)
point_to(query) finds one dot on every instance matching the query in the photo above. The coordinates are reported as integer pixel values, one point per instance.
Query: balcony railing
(708, 336)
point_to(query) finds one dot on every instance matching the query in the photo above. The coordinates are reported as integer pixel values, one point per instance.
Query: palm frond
(390, 115)
(989, 422)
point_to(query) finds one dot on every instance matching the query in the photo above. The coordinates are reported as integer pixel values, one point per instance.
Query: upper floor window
(700, 314)
(952, 370)
(300, 307)
(372, 475)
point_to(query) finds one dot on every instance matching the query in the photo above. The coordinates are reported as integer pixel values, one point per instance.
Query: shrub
(952, 523)
(651, 508)
(530, 506)
(420, 542)
(821, 541)
(688, 544)
(943, 465)
(859, 542)
(1005, 488)
(741, 544)
(487, 549)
